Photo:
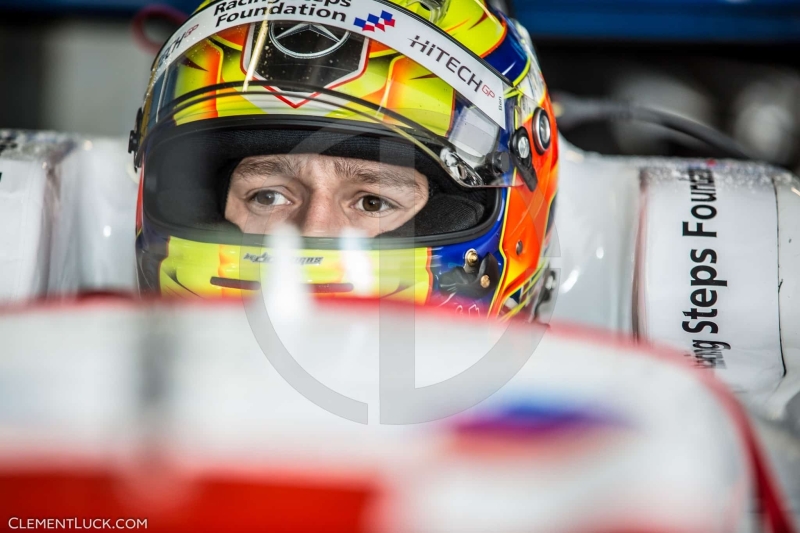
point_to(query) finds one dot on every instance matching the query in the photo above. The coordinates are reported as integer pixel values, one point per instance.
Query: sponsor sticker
(710, 271)
(265, 258)
(417, 39)
(376, 22)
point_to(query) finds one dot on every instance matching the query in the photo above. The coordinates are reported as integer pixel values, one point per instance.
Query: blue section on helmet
(510, 57)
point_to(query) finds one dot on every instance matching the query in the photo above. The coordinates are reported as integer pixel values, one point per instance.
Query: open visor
(360, 80)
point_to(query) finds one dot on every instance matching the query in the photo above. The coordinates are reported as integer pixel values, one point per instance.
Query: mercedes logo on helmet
(324, 36)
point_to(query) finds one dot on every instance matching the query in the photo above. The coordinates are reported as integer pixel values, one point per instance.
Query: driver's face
(323, 195)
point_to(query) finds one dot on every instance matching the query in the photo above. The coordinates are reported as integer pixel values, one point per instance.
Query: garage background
(82, 66)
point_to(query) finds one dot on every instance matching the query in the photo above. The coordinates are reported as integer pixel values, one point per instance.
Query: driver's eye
(372, 204)
(270, 198)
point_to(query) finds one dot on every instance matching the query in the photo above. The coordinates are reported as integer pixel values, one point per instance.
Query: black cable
(577, 111)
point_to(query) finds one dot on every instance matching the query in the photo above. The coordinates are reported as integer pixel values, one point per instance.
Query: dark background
(75, 65)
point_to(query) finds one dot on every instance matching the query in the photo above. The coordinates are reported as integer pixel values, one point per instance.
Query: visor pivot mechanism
(498, 164)
(523, 146)
(542, 133)
(521, 149)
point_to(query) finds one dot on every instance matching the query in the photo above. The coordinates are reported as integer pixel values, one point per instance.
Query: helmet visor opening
(234, 175)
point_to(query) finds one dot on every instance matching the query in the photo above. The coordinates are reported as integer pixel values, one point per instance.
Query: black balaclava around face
(190, 176)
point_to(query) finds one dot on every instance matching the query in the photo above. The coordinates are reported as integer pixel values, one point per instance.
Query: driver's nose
(321, 217)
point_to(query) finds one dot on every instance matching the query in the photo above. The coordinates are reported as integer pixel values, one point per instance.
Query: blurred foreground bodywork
(170, 412)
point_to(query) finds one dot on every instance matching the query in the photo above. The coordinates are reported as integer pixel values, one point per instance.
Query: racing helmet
(442, 97)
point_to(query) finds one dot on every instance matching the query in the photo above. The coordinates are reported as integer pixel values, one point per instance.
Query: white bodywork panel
(624, 264)
(66, 212)
(707, 276)
(650, 444)
(785, 403)
(595, 230)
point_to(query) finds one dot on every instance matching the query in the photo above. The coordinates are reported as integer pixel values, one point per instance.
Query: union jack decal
(374, 22)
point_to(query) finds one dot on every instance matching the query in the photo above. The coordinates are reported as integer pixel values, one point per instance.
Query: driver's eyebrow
(261, 167)
(353, 172)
